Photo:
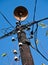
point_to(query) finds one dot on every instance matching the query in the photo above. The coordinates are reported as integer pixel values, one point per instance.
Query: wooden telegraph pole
(20, 14)
(24, 49)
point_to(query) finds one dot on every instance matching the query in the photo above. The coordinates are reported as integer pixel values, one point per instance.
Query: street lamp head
(20, 13)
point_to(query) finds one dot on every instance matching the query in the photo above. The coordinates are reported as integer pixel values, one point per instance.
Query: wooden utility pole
(21, 14)
(25, 53)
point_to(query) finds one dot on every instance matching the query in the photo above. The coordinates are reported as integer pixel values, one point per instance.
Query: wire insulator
(15, 51)
(16, 58)
(20, 44)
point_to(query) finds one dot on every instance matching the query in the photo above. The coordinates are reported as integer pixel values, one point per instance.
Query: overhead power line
(39, 53)
(34, 10)
(34, 13)
(34, 32)
(6, 19)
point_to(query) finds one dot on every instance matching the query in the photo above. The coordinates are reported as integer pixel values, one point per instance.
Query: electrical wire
(39, 52)
(43, 48)
(35, 32)
(6, 19)
(5, 28)
(35, 35)
(34, 14)
(42, 54)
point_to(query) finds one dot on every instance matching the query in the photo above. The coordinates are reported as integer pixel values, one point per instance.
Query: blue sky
(7, 46)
